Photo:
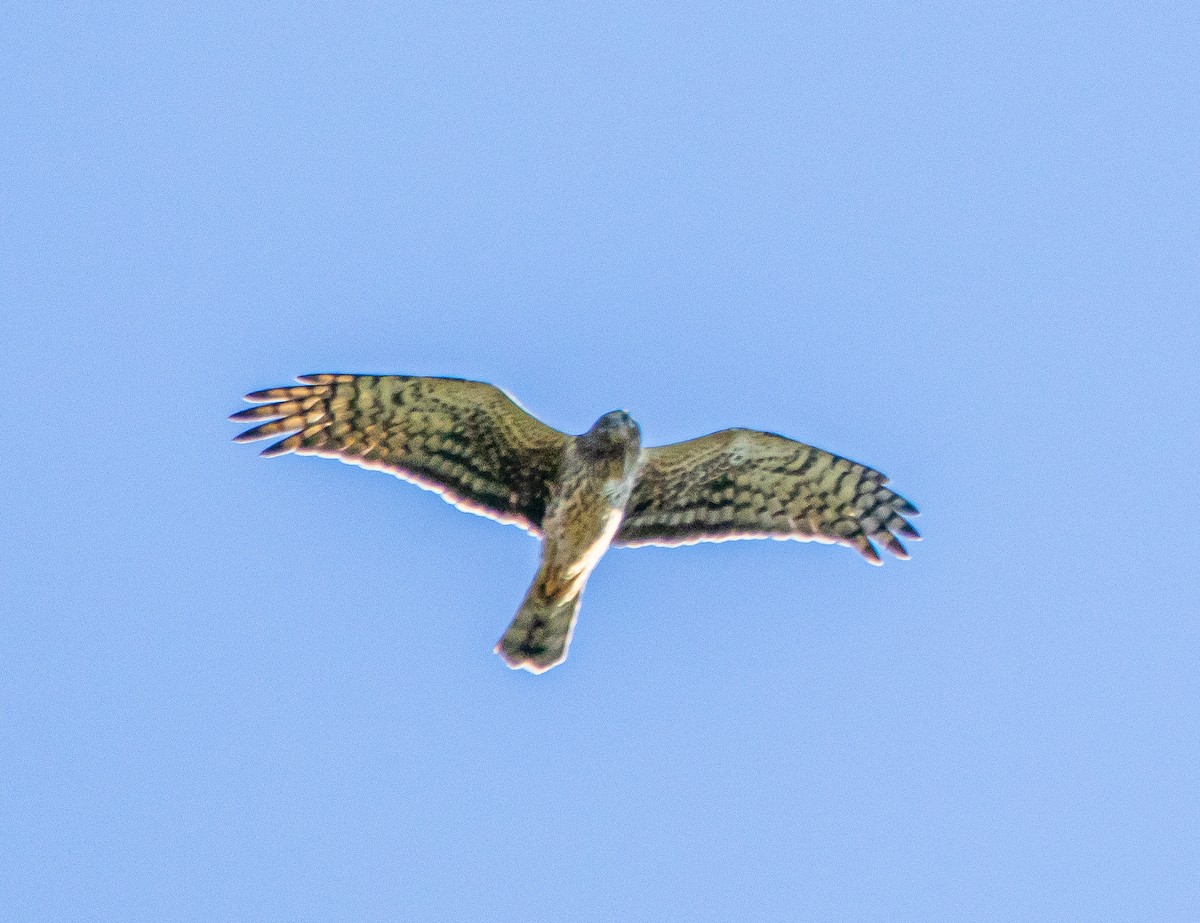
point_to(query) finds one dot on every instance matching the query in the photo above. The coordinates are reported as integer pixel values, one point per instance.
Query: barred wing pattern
(466, 440)
(741, 483)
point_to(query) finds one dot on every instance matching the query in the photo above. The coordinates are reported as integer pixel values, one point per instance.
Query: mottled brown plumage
(463, 439)
(474, 445)
(742, 483)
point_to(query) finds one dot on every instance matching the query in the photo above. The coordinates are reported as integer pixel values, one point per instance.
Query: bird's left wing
(742, 483)
(466, 440)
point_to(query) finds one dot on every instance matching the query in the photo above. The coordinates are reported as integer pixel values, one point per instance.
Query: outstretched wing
(466, 440)
(741, 483)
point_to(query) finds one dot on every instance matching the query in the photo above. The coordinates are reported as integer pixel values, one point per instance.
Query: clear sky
(958, 243)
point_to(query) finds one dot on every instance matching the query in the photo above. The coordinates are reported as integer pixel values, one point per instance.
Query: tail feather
(539, 636)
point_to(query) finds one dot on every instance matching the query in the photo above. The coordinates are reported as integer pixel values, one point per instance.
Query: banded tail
(538, 637)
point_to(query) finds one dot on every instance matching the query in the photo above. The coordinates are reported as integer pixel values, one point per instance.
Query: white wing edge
(733, 537)
(433, 487)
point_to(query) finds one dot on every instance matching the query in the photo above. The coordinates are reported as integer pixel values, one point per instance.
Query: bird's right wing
(466, 440)
(742, 483)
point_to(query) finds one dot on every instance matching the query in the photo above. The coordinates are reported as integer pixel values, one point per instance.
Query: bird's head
(612, 436)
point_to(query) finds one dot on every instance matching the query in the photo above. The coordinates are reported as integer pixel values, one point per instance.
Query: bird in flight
(474, 445)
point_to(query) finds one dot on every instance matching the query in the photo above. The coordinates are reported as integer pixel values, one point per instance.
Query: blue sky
(957, 243)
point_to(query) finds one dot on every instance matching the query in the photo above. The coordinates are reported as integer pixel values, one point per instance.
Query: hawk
(474, 445)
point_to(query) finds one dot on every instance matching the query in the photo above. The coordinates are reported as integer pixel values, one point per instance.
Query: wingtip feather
(267, 394)
(894, 545)
(254, 413)
(282, 447)
(270, 428)
(868, 550)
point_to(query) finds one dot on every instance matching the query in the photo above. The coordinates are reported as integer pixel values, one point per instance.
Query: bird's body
(584, 513)
(474, 445)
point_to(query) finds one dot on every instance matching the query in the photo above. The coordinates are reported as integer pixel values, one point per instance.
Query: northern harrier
(471, 443)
